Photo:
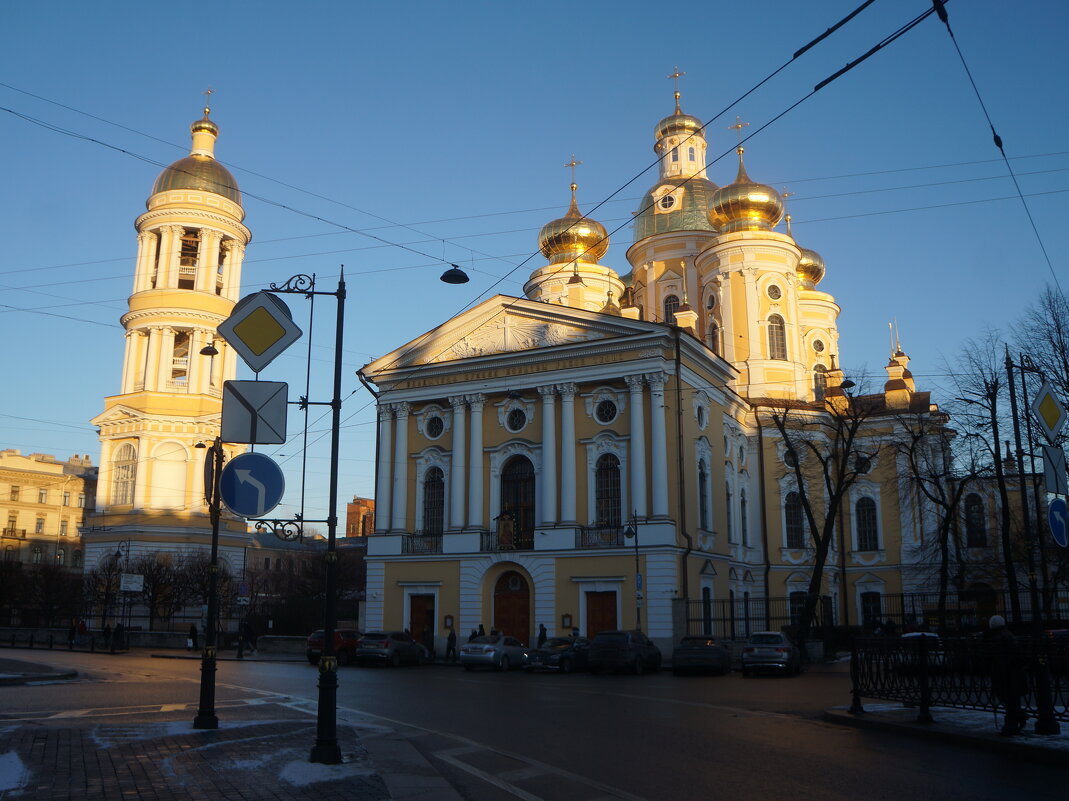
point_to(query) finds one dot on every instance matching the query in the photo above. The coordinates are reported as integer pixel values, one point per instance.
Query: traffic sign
(251, 485)
(259, 328)
(254, 412)
(1049, 412)
(131, 582)
(1054, 473)
(1058, 520)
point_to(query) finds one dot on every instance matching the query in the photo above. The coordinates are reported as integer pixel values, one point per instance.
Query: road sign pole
(206, 717)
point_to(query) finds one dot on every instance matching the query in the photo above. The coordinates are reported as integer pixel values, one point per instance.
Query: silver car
(493, 650)
(770, 650)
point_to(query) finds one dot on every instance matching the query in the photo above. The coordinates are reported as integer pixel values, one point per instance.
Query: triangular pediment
(117, 414)
(504, 324)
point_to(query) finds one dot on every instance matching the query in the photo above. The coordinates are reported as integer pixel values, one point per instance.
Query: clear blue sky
(445, 127)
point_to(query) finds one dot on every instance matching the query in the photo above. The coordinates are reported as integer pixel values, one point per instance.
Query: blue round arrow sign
(251, 485)
(1058, 519)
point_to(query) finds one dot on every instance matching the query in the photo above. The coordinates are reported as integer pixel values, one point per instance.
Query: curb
(30, 678)
(1027, 748)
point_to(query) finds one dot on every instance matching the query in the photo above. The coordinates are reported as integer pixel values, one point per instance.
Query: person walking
(72, 632)
(107, 635)
(482, 631)
(191, 642)
(451, 646)
(542, 634)
(1007, 677)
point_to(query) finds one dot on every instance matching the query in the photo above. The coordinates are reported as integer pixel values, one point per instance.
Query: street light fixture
(631, 532)
(206, 717)
(454, 275)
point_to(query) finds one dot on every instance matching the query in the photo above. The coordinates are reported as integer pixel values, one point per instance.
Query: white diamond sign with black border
(254, 412)
(260, 328)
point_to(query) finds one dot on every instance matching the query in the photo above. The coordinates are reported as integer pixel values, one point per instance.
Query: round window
(516, 420)
(818, 346)
(667, 202)
(790, 459)
(710, 302)
(606, 411)
(435, 427)
(774, 292)
(863, 464)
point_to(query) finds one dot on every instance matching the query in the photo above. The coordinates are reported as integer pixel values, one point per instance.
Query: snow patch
(13, 773)
(301, 773)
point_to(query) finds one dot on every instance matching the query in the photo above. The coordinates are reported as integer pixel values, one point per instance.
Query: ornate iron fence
(421, 543)
(506, 541)
(737, 618)
(599, 537)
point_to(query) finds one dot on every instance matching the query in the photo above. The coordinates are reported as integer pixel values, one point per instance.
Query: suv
(344, 645)
(393, 648)
(623, 650)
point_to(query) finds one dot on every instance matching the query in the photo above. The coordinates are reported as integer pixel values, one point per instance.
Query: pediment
(506, 325)
(117, 414)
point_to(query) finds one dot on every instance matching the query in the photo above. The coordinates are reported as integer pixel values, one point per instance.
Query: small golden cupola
(573, 237)
(745, 205)
(199, 170)
(810, 269)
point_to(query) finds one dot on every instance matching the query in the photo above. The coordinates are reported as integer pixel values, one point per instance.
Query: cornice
(168, 216)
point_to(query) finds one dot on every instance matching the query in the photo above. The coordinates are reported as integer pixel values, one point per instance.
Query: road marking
(449, 758)
(173, 707)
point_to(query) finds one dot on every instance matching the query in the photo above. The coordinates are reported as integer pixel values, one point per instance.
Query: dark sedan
(700, 655)
(563, 654)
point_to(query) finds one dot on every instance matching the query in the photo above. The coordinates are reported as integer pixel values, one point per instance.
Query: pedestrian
(72, 632)
(82, 631)
(473, 635)
(890, 628)
(542, 634)
(250, 635)
(1007, 676)
(428, 642)
(482, 631)
(451, 646)
(191, 641)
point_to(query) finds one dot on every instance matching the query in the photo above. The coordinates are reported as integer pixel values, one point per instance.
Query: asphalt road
(639, 737)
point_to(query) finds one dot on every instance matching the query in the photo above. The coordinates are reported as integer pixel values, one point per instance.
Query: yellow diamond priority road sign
(259, 329)
(1049, 412)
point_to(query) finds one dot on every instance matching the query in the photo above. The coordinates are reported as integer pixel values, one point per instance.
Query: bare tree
(163, 592)
(101, 585)
(1043, 333)
(53, 592)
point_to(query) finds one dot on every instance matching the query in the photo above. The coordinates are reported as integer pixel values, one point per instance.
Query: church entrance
(600, 612)
(512, 606)
(421, 619)
(516, 526)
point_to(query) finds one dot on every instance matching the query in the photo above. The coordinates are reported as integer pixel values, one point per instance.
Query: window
(81, 500)
(714, 338)
(777, 338)
(727, 510)
(868, 534)
(37, 554)
(690, 153)
(12, 522)
(190, 245)
(975, 527)
(14, 492)
(703, 497)
(267, 563)
(516, 420)
(42, 496)
(77, 558)
(818, 346)
(675, 154)
(122, 482)
(518, 494)
(63, 528)
(433, 501)
(790, 459)
(792, 520)
(607, 491)
(435, 427)
(666, 202)
(605, 411)
(61, 556)
(39, 526)
(671, 304)
(66, 499)
(871, 609)
(743, 523)
(820, 381)
(774, 292)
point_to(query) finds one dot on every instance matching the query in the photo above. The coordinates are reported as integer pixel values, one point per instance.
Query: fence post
(51, 638)
(855, 684)
(924, 715)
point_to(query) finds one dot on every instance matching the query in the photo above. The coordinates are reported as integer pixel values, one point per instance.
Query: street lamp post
(206, 717)
(631, 532)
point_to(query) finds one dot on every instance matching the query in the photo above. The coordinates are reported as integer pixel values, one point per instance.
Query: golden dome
(199, 170)
(678, 122)
(573, 237)
(810, 268)
(745, 205)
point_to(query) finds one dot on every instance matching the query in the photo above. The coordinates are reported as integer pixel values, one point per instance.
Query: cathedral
(597, 454)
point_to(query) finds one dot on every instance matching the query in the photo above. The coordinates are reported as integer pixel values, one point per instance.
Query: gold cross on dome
(675, 76)
(737, 127)
(207, 100)
(573, 164)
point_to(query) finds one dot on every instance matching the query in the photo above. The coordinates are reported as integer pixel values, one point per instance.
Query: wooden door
(512, 606)
(421, 619)
(600, 612)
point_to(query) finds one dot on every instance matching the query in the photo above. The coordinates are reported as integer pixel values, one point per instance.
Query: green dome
(202, 173)
(692, 214)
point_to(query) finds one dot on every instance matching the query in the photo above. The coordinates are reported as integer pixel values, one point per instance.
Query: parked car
(623, 650)
(498, 651)
(700, 654)
(564, 654)
(393, 648)
(907, 659)
(770, 650)
(344, 645)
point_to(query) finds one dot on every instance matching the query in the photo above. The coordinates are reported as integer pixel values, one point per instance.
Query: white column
(146, 256)
(127, 364)
(152, 358)
(169, 257)
(567, 452)
(458, 465)
(638, 446)
(475, 463)
(549, 454)
(207, 260)
(235, 252)
(399, 515)
(659, 444)
(383, 469)
(166, 359)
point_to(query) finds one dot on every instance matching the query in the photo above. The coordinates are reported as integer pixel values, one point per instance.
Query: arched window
(37, 554)
(975, 527)
(518, 495)
(690, 153)
(607, 491)
(671, 304)
(727, 511)
(743, 523)
(122, 475)
(868, 532)
(820, 381)
(61, 556)
(77, 558)
(714, 337)
(777, 338)
(703, 496)
(792, 519)
(433, 501)
(675, 154)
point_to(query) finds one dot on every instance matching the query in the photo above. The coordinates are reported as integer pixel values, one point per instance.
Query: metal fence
(964, 611)
(737, 618)
(928, 671)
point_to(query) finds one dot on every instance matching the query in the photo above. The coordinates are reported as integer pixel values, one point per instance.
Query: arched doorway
(512, 606)
(518, 500)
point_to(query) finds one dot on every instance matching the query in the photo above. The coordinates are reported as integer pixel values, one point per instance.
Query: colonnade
(466, 482)
(159, 253)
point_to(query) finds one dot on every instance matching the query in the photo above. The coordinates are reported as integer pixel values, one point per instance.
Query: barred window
(122, 482)
(671, 304)
(792, 517)
(820, 381)
(871, 608)
(743, 522)
(868, 533)
(777, 338)
(975, 527)
(703, 495)
(433, 501)
(37, 554)
(607, 491)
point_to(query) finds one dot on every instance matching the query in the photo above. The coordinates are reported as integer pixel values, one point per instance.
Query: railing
(928, 671)
(421, 543)
(599, 536)
(737, 619)
(18, 533)
(497, 541)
